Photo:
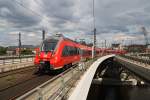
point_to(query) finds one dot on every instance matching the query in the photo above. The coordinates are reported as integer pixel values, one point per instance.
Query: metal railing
(14, 60)
(15, 57)
(58, 87)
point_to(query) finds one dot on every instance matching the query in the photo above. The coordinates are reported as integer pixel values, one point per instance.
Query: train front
(44, 55)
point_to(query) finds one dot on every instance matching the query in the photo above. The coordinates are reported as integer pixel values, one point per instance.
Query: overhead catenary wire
(32, 11)
(29, 9)
(38, 14)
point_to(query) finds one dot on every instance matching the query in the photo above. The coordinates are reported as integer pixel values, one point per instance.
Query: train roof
(58, 37)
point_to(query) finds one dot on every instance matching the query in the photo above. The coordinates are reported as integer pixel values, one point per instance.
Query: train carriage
(59, 52)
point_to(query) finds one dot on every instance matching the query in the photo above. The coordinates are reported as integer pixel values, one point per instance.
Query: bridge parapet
(81, 90)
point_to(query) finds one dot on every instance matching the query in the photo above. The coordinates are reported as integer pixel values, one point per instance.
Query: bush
(2, 51)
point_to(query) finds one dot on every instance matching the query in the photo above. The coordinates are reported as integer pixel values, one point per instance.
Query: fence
(15, 59)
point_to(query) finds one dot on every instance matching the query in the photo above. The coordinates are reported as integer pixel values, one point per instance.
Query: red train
(59, 52)
(118, 52)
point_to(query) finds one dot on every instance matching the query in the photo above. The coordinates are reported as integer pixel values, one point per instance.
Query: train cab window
(49, 45)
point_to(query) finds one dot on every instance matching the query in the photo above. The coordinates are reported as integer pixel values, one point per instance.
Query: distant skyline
(116, 20)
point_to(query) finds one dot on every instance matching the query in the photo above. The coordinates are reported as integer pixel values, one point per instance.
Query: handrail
(15, 57)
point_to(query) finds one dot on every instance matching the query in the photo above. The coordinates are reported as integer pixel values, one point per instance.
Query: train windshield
(49, 45)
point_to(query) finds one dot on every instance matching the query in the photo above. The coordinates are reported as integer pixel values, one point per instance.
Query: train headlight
(45, 56)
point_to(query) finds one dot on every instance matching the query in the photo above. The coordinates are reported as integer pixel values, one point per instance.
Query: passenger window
(70, 51)
(65, 51)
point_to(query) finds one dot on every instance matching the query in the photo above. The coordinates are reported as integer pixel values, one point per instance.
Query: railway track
(57, 87)
(11, 79)
(145, 61)
(20, 89)
(20, 70)
(17, 82)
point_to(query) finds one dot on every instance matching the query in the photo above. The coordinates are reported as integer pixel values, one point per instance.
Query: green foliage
(26, 52)
(3, 50)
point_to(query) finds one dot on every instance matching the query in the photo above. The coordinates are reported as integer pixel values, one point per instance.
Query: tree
(26, 52)
(3, 50)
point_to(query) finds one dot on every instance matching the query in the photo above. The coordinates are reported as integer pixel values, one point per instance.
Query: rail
(145, 54)
(145, 61)
(58, 87)
(140, 69)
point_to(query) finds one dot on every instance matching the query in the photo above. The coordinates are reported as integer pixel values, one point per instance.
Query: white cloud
(15, 33)
(4, 11)
(31, 34)
(115, 19)
(123, 37)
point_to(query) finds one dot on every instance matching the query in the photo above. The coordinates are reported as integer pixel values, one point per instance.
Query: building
(14, 50)
(11, 50)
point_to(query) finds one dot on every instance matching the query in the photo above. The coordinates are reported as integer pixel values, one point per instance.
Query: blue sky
(116, 20)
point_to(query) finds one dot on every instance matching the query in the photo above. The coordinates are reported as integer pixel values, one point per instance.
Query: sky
(117, 21)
